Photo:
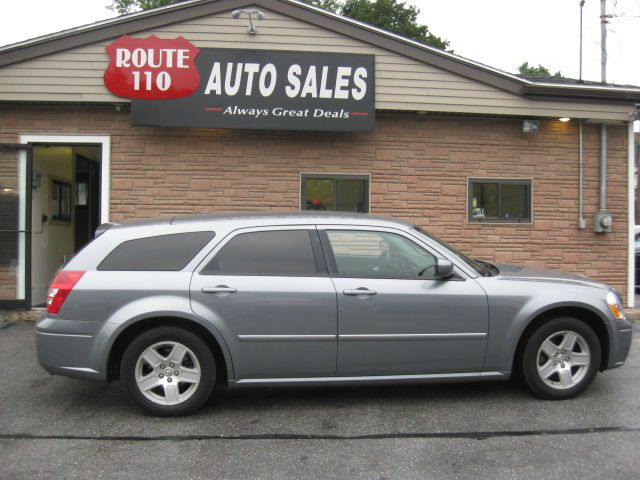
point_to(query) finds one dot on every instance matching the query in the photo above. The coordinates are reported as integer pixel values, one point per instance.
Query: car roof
(259, 219)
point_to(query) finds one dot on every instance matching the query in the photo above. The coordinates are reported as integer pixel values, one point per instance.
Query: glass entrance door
(15, 234)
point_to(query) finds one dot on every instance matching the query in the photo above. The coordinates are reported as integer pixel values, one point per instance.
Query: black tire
(565, 378)
(184, 394)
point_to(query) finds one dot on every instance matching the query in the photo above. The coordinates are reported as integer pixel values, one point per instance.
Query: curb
(26, 316)
(633, 315)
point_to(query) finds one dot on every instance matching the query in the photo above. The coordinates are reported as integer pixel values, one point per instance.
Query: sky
(499, 33)
(506, 33)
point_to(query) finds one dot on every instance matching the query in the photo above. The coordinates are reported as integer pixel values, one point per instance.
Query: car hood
(518, 272)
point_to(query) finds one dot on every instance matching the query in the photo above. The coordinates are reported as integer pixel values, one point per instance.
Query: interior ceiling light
(564, 119)
(250, 12)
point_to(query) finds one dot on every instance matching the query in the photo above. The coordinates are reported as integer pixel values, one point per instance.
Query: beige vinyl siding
(401, 83)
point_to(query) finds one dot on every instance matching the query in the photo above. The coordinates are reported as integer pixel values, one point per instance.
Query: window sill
(496, 221)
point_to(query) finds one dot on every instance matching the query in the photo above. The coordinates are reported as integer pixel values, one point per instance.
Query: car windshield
(481, 267)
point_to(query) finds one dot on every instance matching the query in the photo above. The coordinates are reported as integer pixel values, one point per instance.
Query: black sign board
(274, 90)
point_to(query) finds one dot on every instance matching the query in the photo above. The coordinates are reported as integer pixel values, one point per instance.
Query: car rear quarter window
(277, 253)
(160, 253)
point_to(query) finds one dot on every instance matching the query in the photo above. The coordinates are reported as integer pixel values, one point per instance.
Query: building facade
(476, 156)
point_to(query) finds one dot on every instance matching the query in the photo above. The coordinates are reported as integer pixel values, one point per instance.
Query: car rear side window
(277, 253)
(161, 253)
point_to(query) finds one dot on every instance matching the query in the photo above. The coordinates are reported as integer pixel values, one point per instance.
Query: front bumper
(68, 348)
(620, 333)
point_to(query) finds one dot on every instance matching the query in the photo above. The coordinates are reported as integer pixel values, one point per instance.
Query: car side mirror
(444, 268)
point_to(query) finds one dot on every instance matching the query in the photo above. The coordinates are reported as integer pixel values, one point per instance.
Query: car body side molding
(376, 379)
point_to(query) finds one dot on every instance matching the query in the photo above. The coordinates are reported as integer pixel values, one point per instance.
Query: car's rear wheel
(168, 371)
(561, 358)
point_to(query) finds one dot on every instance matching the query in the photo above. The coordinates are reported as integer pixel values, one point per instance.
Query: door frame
(25, 167)
(105, 160)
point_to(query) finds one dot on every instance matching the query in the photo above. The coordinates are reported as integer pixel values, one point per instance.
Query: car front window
(360, 253)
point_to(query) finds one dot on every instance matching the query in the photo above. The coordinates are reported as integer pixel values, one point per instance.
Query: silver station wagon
(172, 306)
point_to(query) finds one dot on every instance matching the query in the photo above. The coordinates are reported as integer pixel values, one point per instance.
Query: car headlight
(615, 305)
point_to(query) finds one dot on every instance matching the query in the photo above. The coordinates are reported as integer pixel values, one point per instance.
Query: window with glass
(169, 253)
(15, 236)
(499, 200)
(275, 253)
(361, 253)
(60, 200)
(344, 193)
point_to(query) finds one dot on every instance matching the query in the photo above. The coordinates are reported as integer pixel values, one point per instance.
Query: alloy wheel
(167, 373)
(563, 359)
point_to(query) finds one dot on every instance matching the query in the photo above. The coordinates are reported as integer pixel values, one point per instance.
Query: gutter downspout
(603, 220)
(582, 223)
(631, 255)
(603, 166)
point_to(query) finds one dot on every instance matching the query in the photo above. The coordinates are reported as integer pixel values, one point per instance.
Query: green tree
(331, 5)
(392, 15)
(539, 71)
(128, 6)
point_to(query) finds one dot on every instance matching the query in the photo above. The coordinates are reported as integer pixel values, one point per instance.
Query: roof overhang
(151, 19)
(583, 92)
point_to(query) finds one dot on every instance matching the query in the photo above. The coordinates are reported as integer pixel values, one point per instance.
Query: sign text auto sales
(255, 89)
(314, 82)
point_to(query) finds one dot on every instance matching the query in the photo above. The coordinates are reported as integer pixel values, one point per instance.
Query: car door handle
(219, 289)
(359, 291)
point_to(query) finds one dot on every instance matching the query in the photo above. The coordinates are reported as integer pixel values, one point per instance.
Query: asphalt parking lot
(53, 427)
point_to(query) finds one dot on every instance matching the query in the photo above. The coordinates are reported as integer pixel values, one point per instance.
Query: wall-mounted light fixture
(250, 12)
(530, 126)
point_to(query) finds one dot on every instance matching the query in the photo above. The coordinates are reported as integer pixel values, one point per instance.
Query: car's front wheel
(561, 358)
(168, 371)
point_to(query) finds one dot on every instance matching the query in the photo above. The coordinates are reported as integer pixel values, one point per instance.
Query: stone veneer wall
(419, 167)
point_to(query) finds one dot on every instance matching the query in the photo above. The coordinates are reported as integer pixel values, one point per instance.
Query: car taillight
(60, 288)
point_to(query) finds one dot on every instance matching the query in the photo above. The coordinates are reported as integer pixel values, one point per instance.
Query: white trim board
(631, 217)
